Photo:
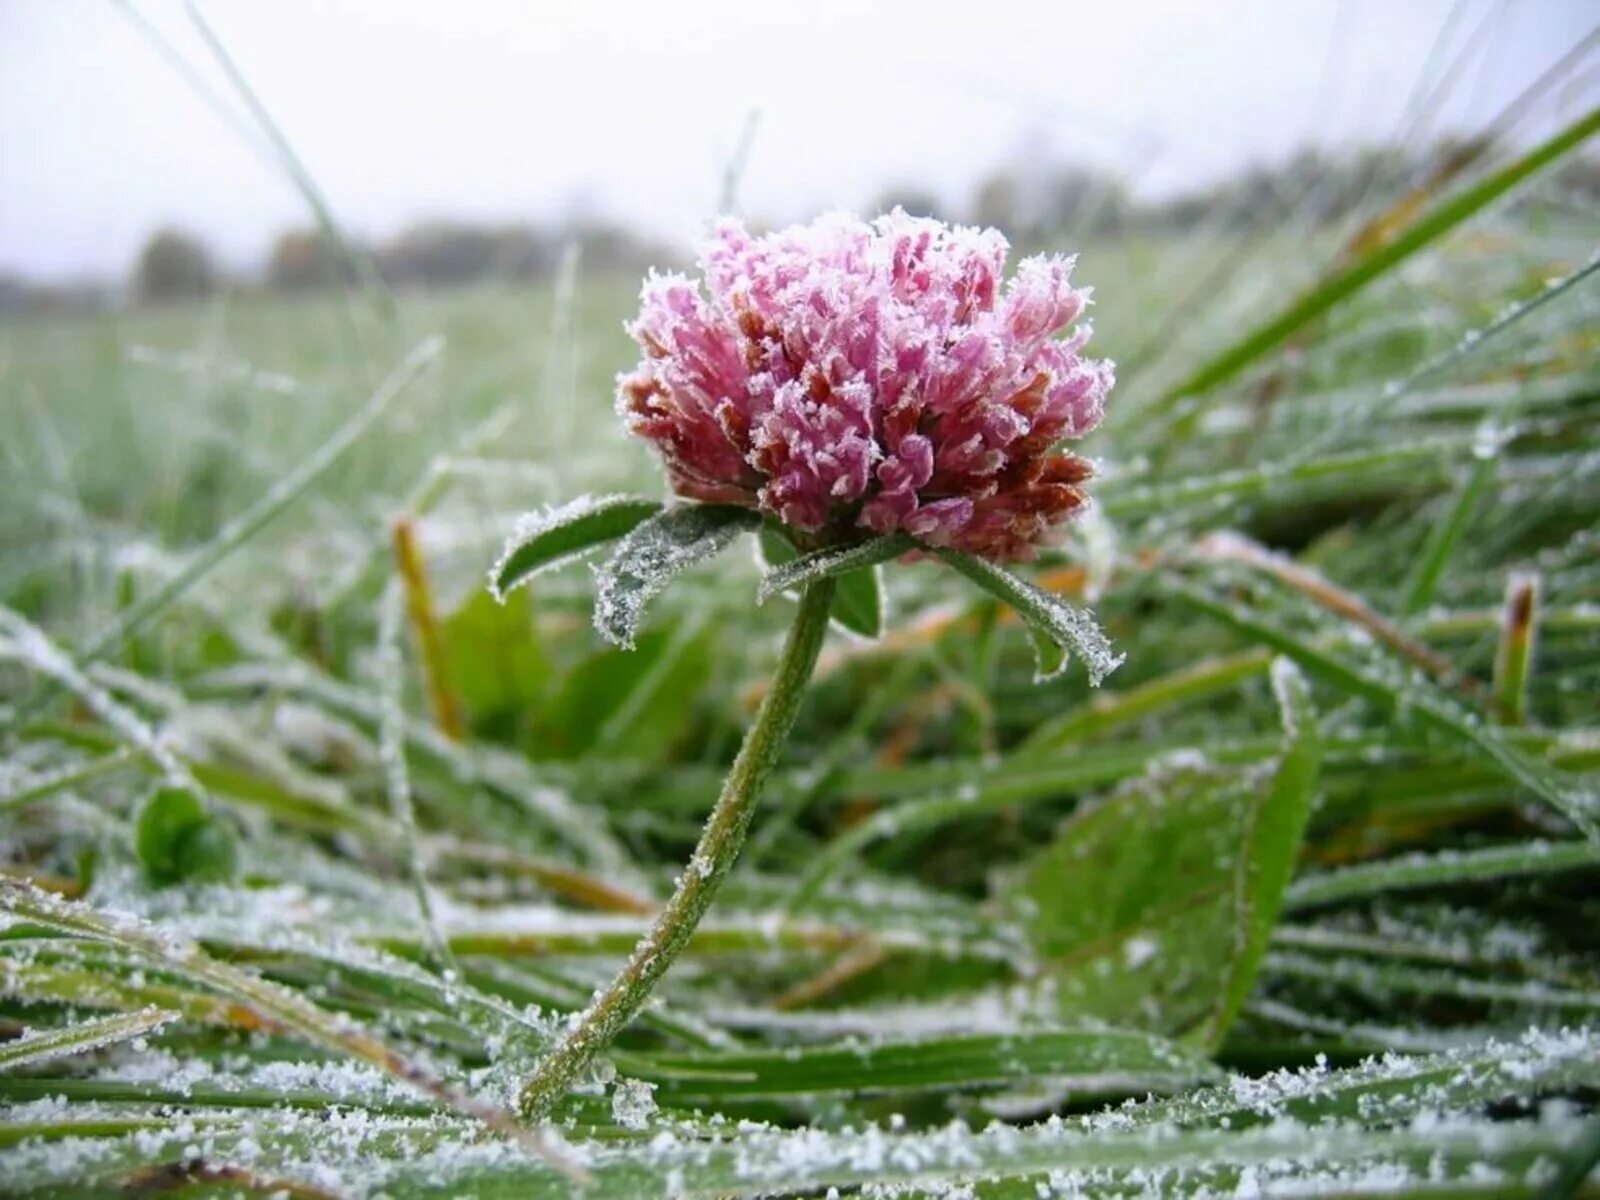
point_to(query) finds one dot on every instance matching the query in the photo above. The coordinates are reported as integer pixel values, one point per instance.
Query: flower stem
(719, 846)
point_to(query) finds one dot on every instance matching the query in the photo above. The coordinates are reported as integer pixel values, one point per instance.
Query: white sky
(477, 108)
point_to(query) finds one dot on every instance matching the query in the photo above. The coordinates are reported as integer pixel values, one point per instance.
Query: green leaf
(655, 553)
(1089, 1157)
(1429, 565)
(632, 705)
(858, 602)
(498, 665)
(166, 818)
(208, 852)
(177, 840)
(41, 1045)
(1272, 844)
(547, 540)
(1155, 907)
(1394, 1088)
(1058, 627)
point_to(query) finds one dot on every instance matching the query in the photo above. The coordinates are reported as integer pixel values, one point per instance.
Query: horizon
(102, 141)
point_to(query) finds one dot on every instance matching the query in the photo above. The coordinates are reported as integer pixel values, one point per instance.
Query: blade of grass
(352, 260)
(1273, 836)
(68, 777)
(26, 643)
(1379, 261)
(1108, 711)
(42, 1045)
(1444, 869)
(1430, 564)
(1342, 603)
(397, 776)
(447, 714)
(1163, 499)
(1093, 1059)
(1513, 660)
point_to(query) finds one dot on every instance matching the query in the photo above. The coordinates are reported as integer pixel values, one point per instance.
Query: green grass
(988, 931)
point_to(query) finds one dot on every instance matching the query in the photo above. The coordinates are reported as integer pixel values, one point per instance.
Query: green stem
(719, 846)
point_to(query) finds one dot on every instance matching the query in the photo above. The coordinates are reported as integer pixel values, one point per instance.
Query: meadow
(308, 848)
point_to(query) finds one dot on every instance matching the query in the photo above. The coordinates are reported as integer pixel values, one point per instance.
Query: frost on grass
(36, 1046)
(29, 644)
(1437, 912)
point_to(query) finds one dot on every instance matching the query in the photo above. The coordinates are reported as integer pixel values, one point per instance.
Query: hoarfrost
(633, 1103)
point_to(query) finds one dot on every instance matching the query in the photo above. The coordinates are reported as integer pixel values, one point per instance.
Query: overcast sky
(413, 108)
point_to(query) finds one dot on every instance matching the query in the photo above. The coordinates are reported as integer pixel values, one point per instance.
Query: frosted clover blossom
(845, 377)
(852, 392)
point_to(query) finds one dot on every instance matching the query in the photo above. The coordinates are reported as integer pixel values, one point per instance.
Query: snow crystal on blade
(633, 1103)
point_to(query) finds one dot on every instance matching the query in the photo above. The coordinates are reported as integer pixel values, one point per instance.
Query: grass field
(1303, 898)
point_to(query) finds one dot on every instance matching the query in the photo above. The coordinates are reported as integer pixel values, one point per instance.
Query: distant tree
(16, 295)
(919, 202)
(174, 265)
(297, 263)
(523, 252)
(441, 253)
(612, 249)
(1076, 199)
(998, 202)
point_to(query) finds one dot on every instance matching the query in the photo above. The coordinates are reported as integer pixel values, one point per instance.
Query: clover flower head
(852, 378)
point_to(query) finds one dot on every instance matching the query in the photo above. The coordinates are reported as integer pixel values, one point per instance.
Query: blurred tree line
(1040, 204)
(451, 253)
(1037, 202)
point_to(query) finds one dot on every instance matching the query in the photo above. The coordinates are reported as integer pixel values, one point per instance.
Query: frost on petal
(880, 375)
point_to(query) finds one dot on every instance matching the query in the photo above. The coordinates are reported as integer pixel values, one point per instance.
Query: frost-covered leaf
(858, 602)
(1154, 907)
(655, 553)
(546, 540)
(1058, 628)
